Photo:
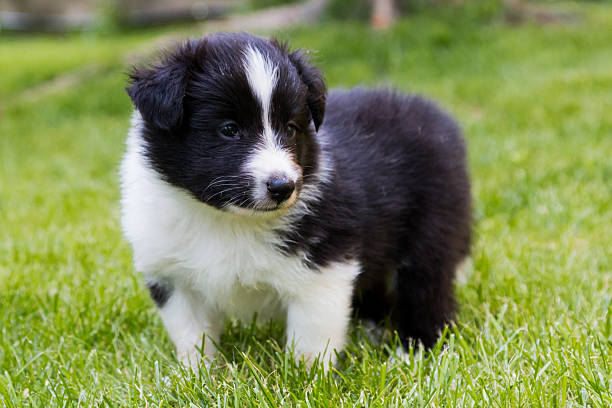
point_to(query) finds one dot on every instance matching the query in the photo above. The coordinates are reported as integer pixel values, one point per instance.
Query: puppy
(247, 190)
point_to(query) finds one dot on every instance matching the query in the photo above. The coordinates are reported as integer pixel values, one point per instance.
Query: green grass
(535, 326)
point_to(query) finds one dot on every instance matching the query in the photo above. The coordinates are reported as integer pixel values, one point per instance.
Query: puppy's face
(232, 119)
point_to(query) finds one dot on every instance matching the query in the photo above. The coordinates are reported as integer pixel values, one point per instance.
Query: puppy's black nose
(280, 188)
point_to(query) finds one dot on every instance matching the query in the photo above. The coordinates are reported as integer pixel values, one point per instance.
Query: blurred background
(71, 15)
(529, 81)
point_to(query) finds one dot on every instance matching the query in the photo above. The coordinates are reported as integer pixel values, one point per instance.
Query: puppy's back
(401, 151)
(402, 161)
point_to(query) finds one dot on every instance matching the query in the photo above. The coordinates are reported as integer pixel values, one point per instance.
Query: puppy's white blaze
(270, 158)
(262, 77)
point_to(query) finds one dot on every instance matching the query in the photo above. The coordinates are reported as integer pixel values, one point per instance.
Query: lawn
(535, 325)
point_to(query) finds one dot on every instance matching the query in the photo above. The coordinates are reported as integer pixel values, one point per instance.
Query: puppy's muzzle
(280, 188)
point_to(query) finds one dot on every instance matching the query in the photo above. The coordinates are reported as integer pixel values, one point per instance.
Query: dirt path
(272, 18)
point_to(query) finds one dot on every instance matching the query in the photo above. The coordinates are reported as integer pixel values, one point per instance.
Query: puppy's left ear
(158, 91)
(313, 78)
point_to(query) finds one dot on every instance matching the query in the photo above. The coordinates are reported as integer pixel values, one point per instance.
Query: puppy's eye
(229, 131)
(291, 131)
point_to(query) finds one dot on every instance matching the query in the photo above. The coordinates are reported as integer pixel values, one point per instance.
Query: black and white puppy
(247, 189)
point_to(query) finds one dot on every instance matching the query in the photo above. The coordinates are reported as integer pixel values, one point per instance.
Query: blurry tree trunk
(384, 14)
(515, 11)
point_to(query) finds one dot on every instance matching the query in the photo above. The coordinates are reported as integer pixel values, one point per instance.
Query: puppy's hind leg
(187, 319)
(424, 302)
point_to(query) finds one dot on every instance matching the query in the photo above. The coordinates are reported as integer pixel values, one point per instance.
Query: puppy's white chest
(234, 267)
(247, 302)
(232, 254)
(237, 271)
(231, 261)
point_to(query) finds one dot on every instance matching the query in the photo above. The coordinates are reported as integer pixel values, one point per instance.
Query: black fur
(198, 87)
(160, 292)
(398, 198)
(399, 202)
(312, 77)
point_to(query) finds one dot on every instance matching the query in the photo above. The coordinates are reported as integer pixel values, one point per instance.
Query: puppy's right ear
(157, 91)
(313, 78)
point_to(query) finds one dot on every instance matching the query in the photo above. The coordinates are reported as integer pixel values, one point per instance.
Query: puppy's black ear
(157, 91)
(313, 78)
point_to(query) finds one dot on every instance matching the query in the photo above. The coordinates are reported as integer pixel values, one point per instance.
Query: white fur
(319, 314)
(262, 76)
(464, 271)
(225, 264)
(269, 158)
(187, 321)
(269, 161)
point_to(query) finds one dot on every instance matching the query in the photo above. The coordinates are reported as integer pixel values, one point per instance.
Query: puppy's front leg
(318, 315)
(187, 319)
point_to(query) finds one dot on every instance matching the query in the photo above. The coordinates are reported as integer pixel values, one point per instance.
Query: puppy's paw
(325, 359)
(192, 358)
(401, 356)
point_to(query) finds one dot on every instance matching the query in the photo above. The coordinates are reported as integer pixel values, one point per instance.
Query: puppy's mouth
(265, 205)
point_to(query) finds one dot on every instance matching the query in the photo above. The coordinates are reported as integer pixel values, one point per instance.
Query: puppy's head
(232, 119)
